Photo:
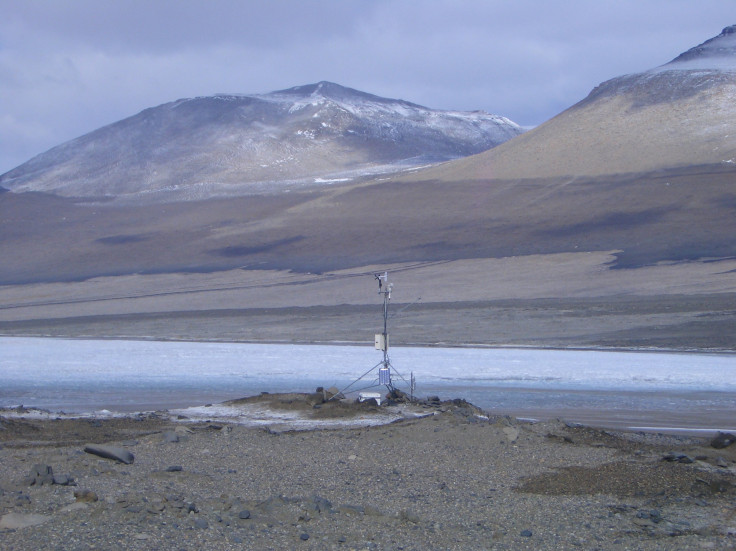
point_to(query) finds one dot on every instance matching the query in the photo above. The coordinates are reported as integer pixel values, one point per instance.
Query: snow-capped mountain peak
(362, 104)
(234, 144)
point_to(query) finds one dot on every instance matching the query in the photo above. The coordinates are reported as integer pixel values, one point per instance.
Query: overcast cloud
(67, 68)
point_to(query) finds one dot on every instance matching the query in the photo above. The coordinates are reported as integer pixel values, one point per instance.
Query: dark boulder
(723, 440)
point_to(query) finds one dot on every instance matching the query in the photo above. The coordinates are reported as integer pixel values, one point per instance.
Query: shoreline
(629, 421)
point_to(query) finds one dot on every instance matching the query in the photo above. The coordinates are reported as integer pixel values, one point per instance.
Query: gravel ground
(454, 479)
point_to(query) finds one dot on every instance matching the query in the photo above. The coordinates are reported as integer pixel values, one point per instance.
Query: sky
(68, 68)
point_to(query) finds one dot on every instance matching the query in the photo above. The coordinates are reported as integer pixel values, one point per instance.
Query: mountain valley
(611, 225)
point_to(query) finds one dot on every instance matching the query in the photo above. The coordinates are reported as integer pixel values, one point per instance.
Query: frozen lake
(632, 389)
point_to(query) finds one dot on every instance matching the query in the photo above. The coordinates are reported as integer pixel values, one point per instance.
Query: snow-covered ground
(126, 375)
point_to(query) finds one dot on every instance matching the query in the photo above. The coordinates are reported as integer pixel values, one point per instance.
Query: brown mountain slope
(677, 115)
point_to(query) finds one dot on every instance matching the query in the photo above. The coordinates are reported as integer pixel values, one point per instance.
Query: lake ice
(76, 375)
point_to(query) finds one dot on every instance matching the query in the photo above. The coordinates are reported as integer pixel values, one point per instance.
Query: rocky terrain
(452, 479)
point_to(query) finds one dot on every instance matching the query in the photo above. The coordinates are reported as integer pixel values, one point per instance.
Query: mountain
(234, 144)
(610, 225)
(677, 115)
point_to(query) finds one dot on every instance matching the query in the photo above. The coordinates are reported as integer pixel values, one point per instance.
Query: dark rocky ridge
(723, 45)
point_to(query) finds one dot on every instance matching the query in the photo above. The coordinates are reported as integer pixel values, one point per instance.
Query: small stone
(526, 533)
(170, 436)
(321, 504)
(723, 440)
(110, 452)
(174, 469)
(244, 514)
(85, 496)
(511, 433)
(409, 516)
(304, 536)
(63, 480)
(678, 457)
(201, 524)
(39, 470)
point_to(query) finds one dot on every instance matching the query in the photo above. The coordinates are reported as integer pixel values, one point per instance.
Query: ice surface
(126, 375)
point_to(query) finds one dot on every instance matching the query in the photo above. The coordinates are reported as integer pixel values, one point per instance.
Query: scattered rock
(170, 436)
(409, 516)
(315, 398)
(40, 475)
(63, 480)
(110, 452)
(244, 514)
(333, 392)
(723, 440)
(85, 496)
(304, 536)
(397, 396)
(655, 516)
(512, 434)
(321, 505)
(201, 524)
(678, 457)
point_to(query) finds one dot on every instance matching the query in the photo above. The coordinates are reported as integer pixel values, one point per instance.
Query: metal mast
(382, 340)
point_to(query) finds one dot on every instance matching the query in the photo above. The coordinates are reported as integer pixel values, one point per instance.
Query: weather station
(385, 372)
